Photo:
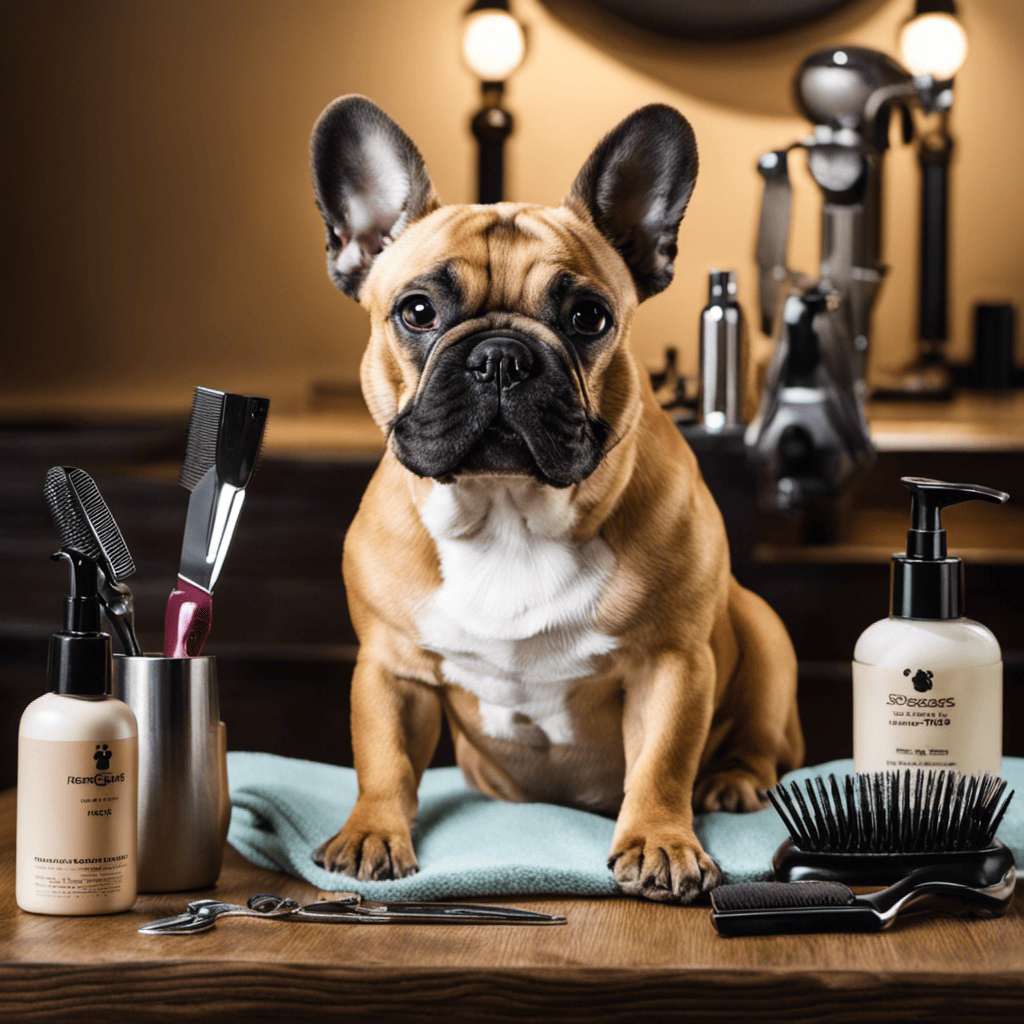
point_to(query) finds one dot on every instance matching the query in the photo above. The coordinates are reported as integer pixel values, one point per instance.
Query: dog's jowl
(537, 556)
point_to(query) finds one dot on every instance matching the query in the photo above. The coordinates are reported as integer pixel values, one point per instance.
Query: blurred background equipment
(934, 47)
(810, 438)
(722, 357)
(493, 45)
(849, 93)
(993, 345)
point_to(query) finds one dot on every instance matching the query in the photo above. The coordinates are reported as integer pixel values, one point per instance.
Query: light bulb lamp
(493, 45)
(934, 46)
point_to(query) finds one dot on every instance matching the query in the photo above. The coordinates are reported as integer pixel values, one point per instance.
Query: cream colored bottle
(78, 753)
(927, 681)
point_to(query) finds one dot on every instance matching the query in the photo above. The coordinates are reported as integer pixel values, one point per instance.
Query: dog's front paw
(663, 865)
(368, 854)
(735, 789)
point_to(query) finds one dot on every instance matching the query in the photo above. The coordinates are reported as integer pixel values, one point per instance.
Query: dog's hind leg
(756, 733)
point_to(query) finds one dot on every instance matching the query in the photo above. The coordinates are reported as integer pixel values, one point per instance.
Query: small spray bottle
(928, 682)
(78, 750)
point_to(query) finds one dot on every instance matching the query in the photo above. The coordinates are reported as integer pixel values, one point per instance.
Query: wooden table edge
(213, 989)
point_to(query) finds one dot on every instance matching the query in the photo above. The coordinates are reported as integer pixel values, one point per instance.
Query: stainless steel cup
(182, 768)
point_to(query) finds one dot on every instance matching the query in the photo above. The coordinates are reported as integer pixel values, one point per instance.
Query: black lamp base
(491, 126)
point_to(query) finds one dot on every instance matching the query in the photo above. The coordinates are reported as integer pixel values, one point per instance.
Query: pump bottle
(77, 773)
(927, 681)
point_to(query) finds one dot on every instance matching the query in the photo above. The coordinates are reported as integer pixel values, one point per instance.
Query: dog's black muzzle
(500, 402)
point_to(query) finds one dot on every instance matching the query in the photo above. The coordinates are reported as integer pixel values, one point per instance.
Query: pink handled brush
(224, 437)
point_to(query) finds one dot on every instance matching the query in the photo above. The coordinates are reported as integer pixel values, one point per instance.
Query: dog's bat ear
(635, 187)
(370, 183)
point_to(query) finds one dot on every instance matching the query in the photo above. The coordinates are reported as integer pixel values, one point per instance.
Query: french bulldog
(537, 556)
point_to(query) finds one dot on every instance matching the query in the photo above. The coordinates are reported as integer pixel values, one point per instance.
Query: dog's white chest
(514, 618)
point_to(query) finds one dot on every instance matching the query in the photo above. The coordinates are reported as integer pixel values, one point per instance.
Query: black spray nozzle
(926, 582)
(82, 606)
(79, 655)
(926, 538)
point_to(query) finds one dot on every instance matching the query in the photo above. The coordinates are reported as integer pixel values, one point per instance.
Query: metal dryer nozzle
(841, 87)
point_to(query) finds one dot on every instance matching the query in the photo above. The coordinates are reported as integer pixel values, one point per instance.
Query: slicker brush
(87, 530)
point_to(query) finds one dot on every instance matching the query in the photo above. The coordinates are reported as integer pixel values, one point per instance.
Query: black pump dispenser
(926, 582)
(79, 656)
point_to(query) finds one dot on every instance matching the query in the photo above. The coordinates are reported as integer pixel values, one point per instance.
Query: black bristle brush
(87, 528)
(872, 828)
(932, 833)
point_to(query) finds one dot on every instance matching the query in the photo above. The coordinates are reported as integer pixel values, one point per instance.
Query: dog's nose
(505, 358)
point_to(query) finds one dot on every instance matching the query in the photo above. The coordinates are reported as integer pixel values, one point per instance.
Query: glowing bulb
(493, 44)
(934, 44)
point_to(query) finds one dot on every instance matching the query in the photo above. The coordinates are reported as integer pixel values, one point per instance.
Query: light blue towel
(469, 845)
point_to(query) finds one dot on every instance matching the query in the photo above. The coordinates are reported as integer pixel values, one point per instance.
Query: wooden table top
(616, 959)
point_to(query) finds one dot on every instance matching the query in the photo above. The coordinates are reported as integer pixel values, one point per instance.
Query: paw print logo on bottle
(922, 679)
(102, 756)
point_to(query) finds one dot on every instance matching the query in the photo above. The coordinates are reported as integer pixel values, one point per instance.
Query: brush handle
(126, 634)
(119, 608)
(769, 908)
(187, 622)
(796, 921)
(780, 908)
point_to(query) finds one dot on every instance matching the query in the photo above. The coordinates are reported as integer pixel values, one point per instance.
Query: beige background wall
(159, 229)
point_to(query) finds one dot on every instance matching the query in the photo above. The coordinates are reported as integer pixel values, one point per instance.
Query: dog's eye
(589, 317)
(418, 313)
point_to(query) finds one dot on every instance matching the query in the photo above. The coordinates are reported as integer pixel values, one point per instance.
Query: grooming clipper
(224, 438)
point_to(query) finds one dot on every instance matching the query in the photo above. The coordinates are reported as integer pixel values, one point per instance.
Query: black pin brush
(872, 828)
(225, 434)
(89, 534)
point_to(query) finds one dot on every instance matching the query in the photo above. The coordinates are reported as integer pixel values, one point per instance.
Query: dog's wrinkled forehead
(502, 257)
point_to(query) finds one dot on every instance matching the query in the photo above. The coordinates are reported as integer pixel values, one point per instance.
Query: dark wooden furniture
(615, 960)
(281, 632)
